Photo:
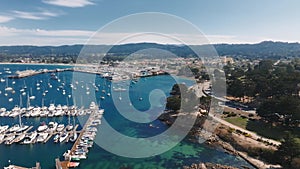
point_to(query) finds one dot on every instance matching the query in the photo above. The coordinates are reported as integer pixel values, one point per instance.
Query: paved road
(202, 86)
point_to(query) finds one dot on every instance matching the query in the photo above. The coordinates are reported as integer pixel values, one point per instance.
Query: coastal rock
(208, 166)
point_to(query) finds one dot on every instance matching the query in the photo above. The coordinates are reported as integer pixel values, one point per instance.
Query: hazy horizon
(59, 22)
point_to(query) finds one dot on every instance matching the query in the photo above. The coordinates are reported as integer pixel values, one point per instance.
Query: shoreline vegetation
(231, 140)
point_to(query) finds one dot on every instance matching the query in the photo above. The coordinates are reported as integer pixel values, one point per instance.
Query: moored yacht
(42, 127)
(63, 137)
(3, 128)
(42, 137)
(60, 127)
(30, 137)
(52, 126)
(14, 128)
(69, 127)
(73, 136)
(19, 138)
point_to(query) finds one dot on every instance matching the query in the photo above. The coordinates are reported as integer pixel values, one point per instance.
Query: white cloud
(40, 15)
(69, 3)
(41, 37)
(4, 19)
(28, 15)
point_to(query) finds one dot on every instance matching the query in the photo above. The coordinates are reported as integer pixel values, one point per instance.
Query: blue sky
(57, 22)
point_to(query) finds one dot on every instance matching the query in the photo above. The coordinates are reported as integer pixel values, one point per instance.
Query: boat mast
(28, 102)
(20, 120)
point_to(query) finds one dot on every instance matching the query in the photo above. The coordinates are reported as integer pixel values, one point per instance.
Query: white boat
(44, 113)
(19, 138)
(60, 127)
(10, 99)
(14, 114)
(52, 126)
(51, 107)
(9, 138)
(3, 128)
(42, 127)
(29, 138)
(58, 113)
(58, 107)
(42, 137)
(74, 137)
(22, 128)
(63, 137)
(9, 89)
(1, 137)
(31, 97)
(35, 112)
(93, 106)
(56, 138)
(2, 80)
(14, 128)
(69, 127)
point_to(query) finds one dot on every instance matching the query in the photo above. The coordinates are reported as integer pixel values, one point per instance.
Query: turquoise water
(185, 153)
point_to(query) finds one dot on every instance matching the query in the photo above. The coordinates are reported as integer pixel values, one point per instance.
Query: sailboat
(63, 137)
(32, 97)
(8, 88)
(25, 87)
(74, 136)
(22, 127)
(69, 127)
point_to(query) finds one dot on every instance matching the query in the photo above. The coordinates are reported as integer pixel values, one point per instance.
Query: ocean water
(184, 153)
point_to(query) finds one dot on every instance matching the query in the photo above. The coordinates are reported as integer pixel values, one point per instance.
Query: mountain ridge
(264, 49)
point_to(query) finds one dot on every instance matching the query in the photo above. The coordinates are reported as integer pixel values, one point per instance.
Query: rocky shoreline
(208, 166)
(212, 139)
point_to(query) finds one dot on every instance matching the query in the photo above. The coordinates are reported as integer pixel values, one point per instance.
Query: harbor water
(90, 87)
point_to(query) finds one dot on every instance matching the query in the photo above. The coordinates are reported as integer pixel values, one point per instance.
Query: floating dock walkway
(92, 121)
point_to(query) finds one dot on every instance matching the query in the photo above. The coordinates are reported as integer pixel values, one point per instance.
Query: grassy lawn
(238, 121)
(273, 132)
(261, 128)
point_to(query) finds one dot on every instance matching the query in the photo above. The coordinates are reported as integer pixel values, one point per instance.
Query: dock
(27, 73)
(96, 114)
(93, 70)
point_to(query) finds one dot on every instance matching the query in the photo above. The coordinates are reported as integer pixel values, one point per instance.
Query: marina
(42, 93)
(84, 141)
(120, 73)
(35, 112)
(23, 134)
